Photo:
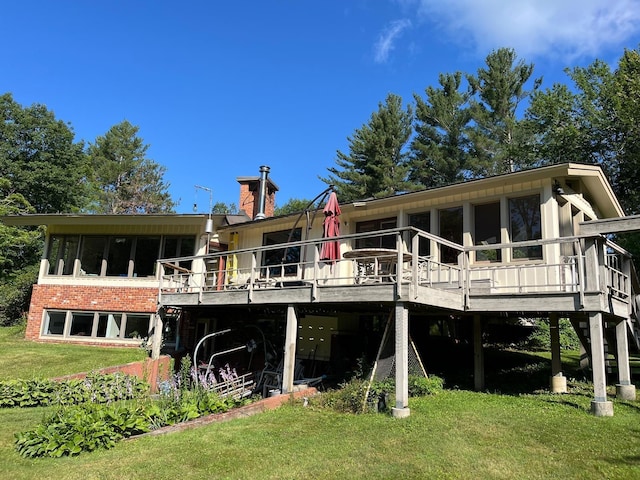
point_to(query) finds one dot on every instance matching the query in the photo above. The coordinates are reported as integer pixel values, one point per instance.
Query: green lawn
(25, 359)
(454, 434)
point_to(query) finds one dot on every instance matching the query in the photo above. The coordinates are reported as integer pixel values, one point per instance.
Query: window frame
(70, 315)
(186, 245)
(488, 241)
(271, 261)
(536, 236)
(377, 224)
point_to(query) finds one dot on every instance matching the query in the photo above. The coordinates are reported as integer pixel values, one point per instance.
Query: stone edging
(260, 406)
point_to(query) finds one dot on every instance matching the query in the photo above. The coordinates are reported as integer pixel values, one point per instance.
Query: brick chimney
(251, 193)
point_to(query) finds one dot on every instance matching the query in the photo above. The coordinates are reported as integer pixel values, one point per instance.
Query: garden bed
(253, 408)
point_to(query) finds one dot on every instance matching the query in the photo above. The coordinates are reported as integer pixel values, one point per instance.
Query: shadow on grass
(507, 371)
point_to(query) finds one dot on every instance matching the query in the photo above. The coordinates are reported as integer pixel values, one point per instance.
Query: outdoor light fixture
(557, 189)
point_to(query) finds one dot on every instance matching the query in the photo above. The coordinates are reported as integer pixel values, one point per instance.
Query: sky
(219, 88)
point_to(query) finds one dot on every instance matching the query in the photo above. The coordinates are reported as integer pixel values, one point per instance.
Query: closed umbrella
(331, 249)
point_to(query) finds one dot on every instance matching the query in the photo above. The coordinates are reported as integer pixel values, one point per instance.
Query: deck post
(558, 380)
(156, 341)
(625, 390)
(401, 409)
(291, 333)
(478, 354)
(600, 407)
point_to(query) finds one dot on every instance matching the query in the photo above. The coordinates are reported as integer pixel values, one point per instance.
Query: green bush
(81, 428)
(421, 386)
(96, 388)
(540, 338)
(350, 397)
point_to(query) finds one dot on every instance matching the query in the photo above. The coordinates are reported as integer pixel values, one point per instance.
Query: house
(455, 259)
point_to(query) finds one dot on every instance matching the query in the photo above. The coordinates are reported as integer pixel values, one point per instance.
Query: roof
(592, 176)
(91, 219)
(599, 189)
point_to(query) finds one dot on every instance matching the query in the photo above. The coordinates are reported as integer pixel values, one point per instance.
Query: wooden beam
(606, 226)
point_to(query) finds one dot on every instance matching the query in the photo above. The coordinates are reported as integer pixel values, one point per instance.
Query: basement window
(97, 325)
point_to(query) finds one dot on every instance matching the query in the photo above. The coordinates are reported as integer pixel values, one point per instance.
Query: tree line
(43, 169)
(499, 120)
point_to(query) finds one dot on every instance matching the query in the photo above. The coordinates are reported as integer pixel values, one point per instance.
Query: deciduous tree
(40, 157)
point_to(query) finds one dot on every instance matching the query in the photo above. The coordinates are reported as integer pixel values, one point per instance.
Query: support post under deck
(401, 409)
(558, 380)
(625, 390)
(478, 354)
(156, 342)
(600, 407)
(291, 334)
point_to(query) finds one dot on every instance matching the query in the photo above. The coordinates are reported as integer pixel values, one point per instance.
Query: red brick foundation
(87, 298)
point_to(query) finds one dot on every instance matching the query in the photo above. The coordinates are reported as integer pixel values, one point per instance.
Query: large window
(384, 241)
(487, 231)
(289, 257)
(179, 247)
(422, 221)
(63, 250)
(116, 255)
(108, 325)
(525, 224)
(92, 255)
(450, 229)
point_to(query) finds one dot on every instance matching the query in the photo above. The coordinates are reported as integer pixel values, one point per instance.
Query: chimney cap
(272, 186)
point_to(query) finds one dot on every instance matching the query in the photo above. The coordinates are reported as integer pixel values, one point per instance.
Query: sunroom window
(372, 226)
(274, 259)
(525, 224)
(487, 231)
(422, 221)
(115, 255)
(450, 229)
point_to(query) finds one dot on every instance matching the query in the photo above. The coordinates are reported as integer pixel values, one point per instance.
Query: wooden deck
(598, 278)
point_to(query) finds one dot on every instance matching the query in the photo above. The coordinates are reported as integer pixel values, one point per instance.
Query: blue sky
(220, 88)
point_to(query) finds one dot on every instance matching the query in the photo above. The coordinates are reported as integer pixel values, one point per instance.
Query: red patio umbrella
(331, 249)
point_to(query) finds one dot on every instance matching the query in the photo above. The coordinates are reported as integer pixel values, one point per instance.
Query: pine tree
(498, 141)
(377, 162)
(440, 147)
(124, 180)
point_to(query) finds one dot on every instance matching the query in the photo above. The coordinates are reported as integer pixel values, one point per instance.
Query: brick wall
(87, 298)
(149, 370)
(249, 196)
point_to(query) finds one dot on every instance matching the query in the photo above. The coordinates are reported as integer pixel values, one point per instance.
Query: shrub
(86, 427)
(540, 338)
(421, 386)
(350, 397)
(96, 388)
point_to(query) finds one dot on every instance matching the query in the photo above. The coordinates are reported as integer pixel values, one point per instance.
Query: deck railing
(408, 255)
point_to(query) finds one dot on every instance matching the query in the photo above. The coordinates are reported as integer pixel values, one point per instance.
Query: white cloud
(387, 38)
(566, 28)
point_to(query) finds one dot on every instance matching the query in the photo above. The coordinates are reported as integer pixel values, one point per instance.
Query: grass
(455, 434)
(25, 359)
